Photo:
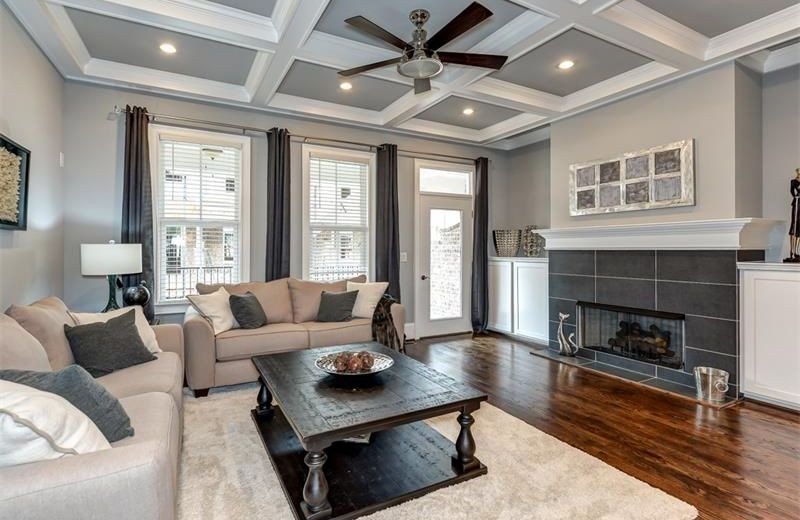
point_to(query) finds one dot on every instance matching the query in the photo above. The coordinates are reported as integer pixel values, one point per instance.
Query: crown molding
(737, 233)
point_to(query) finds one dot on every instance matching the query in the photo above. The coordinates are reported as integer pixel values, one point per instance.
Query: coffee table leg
(264, 408)
(465, 444)
(315, 503)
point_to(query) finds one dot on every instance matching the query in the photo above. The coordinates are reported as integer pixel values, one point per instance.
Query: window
(445, 179)
(201, 210)
(337, 216)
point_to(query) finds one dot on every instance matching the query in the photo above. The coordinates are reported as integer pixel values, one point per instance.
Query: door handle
(424, 277)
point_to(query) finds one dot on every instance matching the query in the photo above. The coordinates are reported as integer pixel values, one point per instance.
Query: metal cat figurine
(566, 345)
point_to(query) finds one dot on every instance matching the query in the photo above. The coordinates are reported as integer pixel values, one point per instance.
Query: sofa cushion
(104, 347)
(156, 419)
(273, 297)
(37, 425)
(247, 310)
(307, 295)
(77, 386)
(275, 337)
(45, 320)
(146, 331)
(357, 330)
(19, 350)
(163, 374)
(215, 308)
(336, 307)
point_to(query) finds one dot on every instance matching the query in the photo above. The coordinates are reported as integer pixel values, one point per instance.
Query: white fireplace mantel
(737, 233)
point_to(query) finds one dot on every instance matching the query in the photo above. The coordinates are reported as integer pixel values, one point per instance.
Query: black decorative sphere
(138, 295)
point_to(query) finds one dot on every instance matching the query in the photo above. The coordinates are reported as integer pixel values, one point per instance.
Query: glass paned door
(446, 273)
(444, 265)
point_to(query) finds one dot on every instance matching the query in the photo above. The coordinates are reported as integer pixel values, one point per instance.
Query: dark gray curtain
(137, 199)
(387, 220)
(278, 203)
(480, 252)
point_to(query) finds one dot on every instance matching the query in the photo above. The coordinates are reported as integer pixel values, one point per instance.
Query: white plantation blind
(199, 215)
(338, 220)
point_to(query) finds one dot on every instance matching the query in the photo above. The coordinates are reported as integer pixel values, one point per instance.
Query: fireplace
(644, 335)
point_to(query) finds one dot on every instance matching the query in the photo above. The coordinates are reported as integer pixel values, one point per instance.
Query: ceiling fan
(421, 59)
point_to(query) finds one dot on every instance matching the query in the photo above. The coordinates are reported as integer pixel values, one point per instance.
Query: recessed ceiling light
(168, 48)
(345, 85)
(468, 111)
(566, 64)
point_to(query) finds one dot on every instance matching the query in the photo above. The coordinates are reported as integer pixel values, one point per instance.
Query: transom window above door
(337, 213)
(445, 179)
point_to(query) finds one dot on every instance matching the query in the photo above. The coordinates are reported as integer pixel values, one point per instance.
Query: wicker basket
(532, 242)
(506, 241)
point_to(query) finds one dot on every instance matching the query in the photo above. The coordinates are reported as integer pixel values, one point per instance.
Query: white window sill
(171, 308)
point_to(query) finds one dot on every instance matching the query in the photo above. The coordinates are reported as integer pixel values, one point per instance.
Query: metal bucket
(711, 383)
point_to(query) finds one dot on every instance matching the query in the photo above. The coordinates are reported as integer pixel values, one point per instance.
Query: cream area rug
(226, 474)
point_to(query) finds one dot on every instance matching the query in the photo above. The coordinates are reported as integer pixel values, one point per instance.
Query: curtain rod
(305, 138)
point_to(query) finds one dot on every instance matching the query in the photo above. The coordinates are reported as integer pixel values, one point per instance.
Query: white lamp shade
(106, 259)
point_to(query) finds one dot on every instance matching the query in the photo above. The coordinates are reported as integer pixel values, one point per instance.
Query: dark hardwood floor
(737, 463)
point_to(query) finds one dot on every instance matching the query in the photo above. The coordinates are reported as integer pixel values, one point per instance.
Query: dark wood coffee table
(404, 459)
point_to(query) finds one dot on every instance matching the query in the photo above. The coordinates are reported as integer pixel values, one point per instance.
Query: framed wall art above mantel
(658, 177)
(14, 167)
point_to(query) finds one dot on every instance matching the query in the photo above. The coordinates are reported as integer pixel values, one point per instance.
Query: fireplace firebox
(644, 335)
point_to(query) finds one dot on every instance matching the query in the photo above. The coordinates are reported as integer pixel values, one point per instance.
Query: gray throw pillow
(102, 348)
(74, 384)
(336, 306)
(247, 310)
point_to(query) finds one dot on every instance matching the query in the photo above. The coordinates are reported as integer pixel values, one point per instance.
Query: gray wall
(699, 107)
(94, 176)
(747, 113)
(781, 148)
(30, 114)
(523, 194)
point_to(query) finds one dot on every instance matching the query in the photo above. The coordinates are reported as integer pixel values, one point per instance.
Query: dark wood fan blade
(474, 14)
(364, 25)
(364, 68)
(489, 61)
(422, 85)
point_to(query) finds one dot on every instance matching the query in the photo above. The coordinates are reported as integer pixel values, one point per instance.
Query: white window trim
(436, 165)
(342, 154)
(155, 134)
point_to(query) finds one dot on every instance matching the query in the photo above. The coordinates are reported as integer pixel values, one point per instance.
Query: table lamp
(111, 260)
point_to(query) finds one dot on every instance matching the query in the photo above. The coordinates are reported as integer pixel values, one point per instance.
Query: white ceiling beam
(297, 31)
(39, 21)
(514, 96)
(782, 58)
(194, 17)
(756, 35)
(300, 105)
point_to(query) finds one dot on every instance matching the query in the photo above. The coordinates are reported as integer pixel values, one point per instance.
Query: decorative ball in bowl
(354, 363)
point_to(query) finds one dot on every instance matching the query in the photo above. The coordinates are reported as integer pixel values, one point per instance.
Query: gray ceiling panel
(595, 60)
(393, 16)
(136, 44)
(450, 111)
(261, 7)
(313, 81)
(714, 17)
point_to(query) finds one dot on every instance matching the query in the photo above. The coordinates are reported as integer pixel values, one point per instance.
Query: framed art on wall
(658, 177)
(14, 167)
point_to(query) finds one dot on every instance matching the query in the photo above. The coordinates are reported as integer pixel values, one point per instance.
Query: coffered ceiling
(283, 55)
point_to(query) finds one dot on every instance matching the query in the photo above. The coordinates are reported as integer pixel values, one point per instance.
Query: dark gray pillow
(74, 384)
(102, 348)
(247, 310)
(336, 306)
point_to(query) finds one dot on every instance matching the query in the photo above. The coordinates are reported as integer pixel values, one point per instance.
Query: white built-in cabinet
(769, 324)
(518, 297)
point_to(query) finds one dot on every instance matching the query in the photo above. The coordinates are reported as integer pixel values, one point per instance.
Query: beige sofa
(137, 477)
(291, 306)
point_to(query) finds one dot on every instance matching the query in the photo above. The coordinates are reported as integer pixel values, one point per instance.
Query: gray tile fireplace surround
(703, 285)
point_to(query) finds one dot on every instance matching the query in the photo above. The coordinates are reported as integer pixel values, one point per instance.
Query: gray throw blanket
(383, 329)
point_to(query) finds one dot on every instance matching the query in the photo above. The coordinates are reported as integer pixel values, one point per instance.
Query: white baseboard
(411, 331)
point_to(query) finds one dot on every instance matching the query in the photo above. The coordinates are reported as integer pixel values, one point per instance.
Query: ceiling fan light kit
(420, 59)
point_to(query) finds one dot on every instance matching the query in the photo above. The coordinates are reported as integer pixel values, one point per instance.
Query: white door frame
(449, 166)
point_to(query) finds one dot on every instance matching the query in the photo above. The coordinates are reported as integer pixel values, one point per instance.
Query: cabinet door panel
(500, 296)
(531, 300)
